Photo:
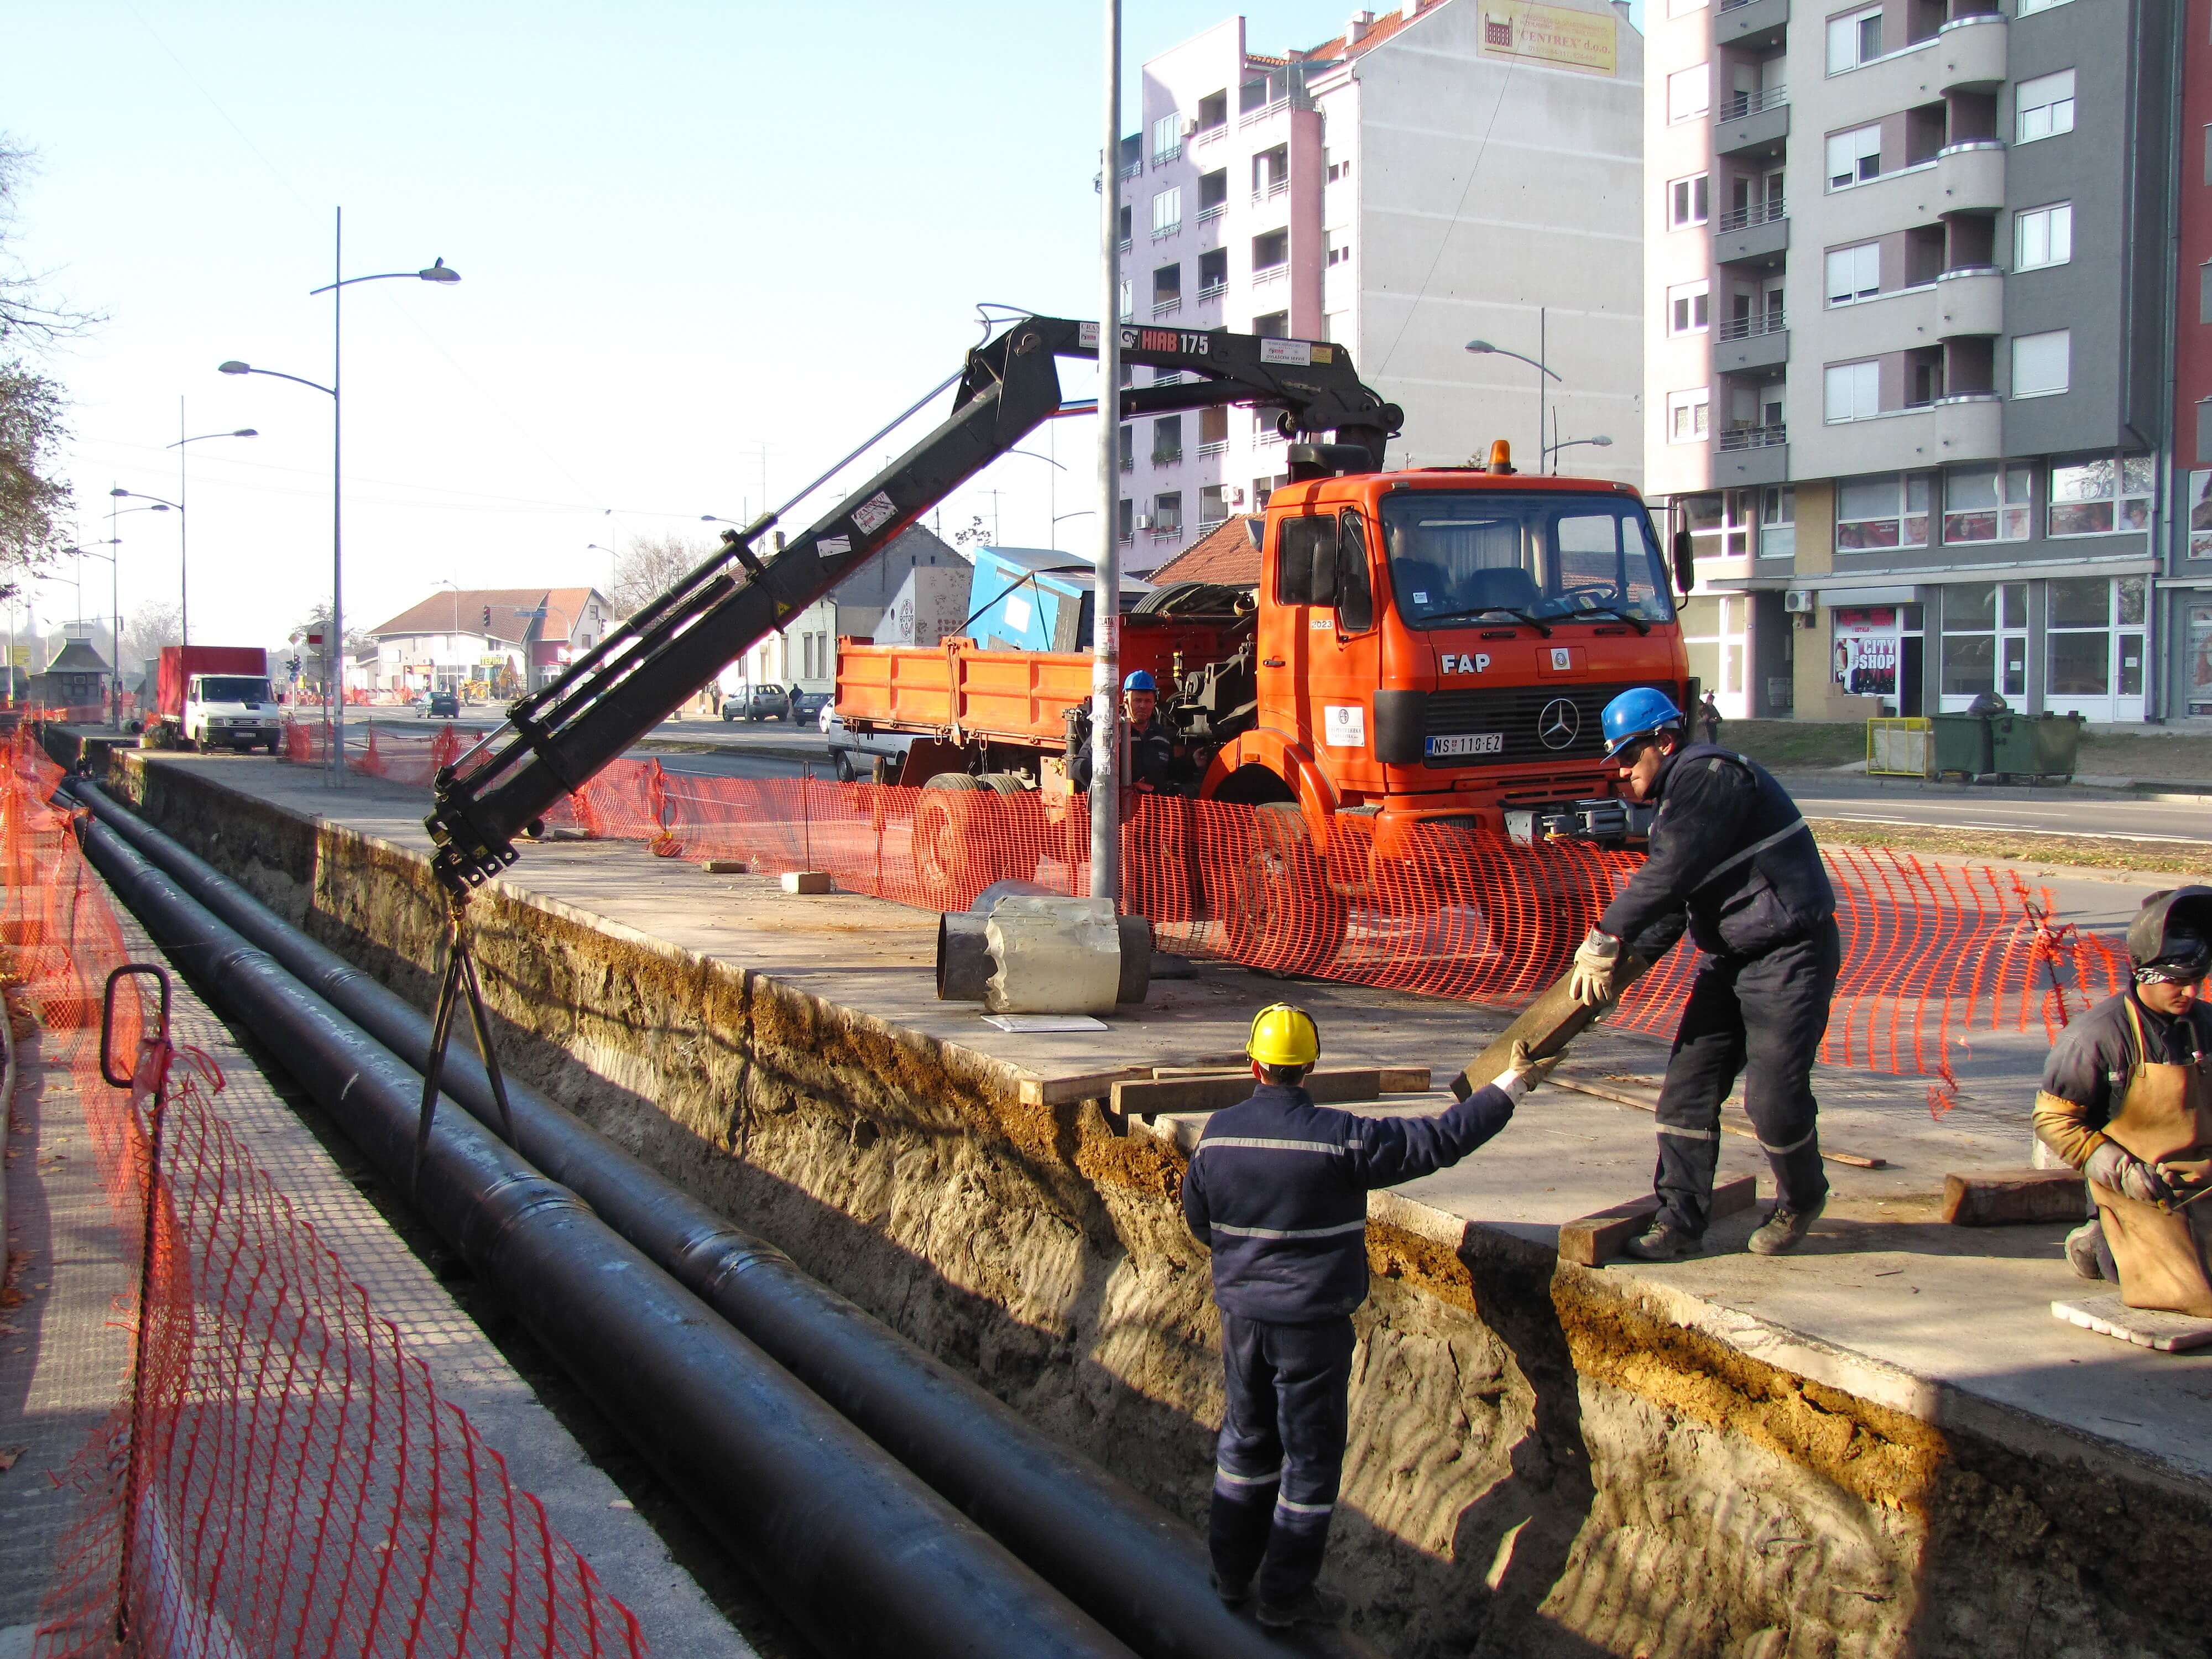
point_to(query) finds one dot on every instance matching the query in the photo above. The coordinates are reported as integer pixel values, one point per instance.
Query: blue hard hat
(1638, 713)
(1140, 681)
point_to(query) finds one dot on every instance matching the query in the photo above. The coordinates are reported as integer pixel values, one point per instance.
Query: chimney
(1360, 23)
(1621, 10)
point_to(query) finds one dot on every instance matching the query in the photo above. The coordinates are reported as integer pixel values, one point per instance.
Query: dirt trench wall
(1544, 1461)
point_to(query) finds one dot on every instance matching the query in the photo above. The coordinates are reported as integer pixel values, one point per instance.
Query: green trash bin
(1961, 744)
(2048, 747)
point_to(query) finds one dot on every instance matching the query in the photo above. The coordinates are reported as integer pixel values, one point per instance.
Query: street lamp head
(1481, 345)
(234, 367)
(118, 491)
(245, 432)
(439, 272)
(1602, 443)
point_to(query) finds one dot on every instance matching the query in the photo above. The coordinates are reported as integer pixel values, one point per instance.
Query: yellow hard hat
(1284, 1034)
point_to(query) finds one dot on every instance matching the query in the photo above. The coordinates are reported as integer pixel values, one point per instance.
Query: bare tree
(32, 430)
(648, 568)
(147, 630)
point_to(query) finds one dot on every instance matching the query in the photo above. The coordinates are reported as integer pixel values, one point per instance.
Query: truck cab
(231, 711)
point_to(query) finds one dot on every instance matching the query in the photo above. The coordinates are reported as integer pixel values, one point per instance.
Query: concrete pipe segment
(1138, 1571)
(863, 1556)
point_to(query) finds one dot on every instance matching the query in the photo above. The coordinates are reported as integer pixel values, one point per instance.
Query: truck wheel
(1277, 907)
(955, 856)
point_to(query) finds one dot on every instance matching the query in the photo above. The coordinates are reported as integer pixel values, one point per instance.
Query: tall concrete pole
(1106, 631)
(334, 651)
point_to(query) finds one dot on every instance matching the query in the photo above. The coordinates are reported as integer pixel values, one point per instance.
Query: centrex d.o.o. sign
(1550, 34)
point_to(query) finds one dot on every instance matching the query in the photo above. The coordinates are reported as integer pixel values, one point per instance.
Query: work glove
(1590, 981)
(1522, 1074)
(2114, 1166)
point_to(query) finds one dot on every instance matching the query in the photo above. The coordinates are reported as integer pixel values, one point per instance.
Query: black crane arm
(558, 736)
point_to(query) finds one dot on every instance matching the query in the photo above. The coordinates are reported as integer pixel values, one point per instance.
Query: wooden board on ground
(1594, 1240)
(1086, 1085)
(2001, 1198)
(1151, 1097)
(2146, 1327)
(1547, 1025)
(1732, 1123)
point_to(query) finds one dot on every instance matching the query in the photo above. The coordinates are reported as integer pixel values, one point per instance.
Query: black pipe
(1138, 1571)
(863, 1558)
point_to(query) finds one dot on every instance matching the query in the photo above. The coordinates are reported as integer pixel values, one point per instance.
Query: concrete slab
(1949, 1324)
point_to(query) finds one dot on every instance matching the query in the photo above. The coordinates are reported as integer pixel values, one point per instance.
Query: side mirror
(1686, 563)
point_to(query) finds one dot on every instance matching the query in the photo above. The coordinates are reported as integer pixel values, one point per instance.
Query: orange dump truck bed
(1021, 696)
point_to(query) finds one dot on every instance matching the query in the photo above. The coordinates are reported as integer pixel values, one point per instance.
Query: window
(1854, 274)
(1687, 307)
(1854, 157)
(1263, 488)
(1986, 504)
(2204, 292)
(1128, 301)
(1214, 112)
(1687, 201)
(1271, 172)
(1125, 529)
(1689, 416)
(1167, 212)
(1271, 251)
(1970, 646)
(1167, 440)
(1128, 447)
(2041, 362)
(1853, 392)
(1167, 137)
(2043, 236)
(1455, 555)
(1339, 243)
(1167, 512)
(1212, 192)
(1336, 170)
(1689, 93)
(1720, 525)
(1854, 38)
(1213, 272)
(1212, 430)
(1212, 505)
(1127, 211)
(2083, 612)
(1777, 522)
(2045, 107)
(2098, 494)
(1275, 325)
(1888, 511)
(1167, 286)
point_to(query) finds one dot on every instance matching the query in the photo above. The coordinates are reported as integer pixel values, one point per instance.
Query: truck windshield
(1458, 556)
(234, 687)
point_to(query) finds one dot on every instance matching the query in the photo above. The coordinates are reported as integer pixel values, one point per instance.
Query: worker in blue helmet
(1156, 758)
(1732, 861)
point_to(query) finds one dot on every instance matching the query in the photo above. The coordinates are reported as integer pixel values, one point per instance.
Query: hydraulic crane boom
(558, 736)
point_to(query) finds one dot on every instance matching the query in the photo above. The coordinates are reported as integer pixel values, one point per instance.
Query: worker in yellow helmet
(1278, 1189)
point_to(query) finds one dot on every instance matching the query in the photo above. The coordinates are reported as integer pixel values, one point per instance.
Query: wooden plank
(2000, 1197)
(1730, 1123)
(1086, 1085)
(1396, 1080)
(1594, 1240)
(1150, 1097)
(1548, 1025)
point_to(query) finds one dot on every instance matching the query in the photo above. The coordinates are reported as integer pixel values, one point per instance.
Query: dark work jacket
(1277, 1191)
(1152, 758)
(1730, 855)
(2094, 1057)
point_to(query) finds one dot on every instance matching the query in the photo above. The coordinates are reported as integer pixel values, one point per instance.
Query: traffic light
(486, 619)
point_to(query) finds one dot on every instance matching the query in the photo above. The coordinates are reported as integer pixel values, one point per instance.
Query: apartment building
(1906, 303)
(2188, 585)
(1450, 170)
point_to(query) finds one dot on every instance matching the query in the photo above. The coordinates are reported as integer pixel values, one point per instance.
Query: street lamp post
(183, 579)
(437, 271)
(1544, 371)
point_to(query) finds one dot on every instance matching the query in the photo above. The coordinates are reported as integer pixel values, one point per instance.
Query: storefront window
(2098, 494)
(1866, 650)
(2080, 665)
(1986, 504)
(1891, 511)
(2084, 614)
(1970, 642)
(2200, 515)
(2200, 659)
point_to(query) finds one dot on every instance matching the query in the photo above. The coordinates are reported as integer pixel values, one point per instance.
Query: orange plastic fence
(282, 1476)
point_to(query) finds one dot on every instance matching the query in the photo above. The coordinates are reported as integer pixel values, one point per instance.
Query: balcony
(1207, 526)
(1162, 524)
(1167, 457)
(1212, 291)
(1743, 343)
(1172, 153)
(1208, 215)
(1755, 235)
(1167, 307)
(1161, 233)
(1752, 455)
(1969, 426)
(1218, 446)
(1269, 191)
(1971, 52)
(1753, 124)
(1751, 23)
(1969, 177)
(1271, 273)
(1253, 118)
(1969, 301)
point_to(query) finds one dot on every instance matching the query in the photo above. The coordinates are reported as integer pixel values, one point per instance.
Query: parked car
(764, 702)
(855, 753)
(806, 708)
(442, 706)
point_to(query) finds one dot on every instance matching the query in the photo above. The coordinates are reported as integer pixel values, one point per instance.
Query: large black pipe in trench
(863, 1558)
(1136, 1570)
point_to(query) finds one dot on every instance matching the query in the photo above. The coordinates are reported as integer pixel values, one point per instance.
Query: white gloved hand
(2113, 1166)
(1590, 981)
(1522, 1075)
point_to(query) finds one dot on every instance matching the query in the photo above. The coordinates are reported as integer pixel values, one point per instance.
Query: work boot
(2081, 1251)
(1784, 1229)
(1232, 1595)
(1663, 1242)
(1311, 1606)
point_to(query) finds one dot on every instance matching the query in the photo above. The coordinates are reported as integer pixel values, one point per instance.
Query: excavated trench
(1544, 1461)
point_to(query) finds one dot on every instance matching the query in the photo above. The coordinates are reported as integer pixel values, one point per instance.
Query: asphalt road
(1954, 806)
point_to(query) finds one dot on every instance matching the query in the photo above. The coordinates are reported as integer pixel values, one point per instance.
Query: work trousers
(1280, 1453)
(1762, 1017)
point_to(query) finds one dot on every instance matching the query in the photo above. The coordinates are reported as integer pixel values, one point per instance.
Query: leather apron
(2164, 1116)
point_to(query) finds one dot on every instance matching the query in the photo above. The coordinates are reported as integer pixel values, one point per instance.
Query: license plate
(1471, 743)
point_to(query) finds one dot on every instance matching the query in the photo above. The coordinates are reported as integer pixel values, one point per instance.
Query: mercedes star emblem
(1560, 723)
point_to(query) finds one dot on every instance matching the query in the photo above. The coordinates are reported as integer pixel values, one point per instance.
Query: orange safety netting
(282, 1476)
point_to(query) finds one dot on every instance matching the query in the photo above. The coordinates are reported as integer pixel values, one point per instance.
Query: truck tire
(1277, 908)
(953, 860)
(1189, 599)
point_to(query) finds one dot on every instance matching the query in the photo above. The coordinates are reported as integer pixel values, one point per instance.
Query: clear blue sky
(686, 231)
